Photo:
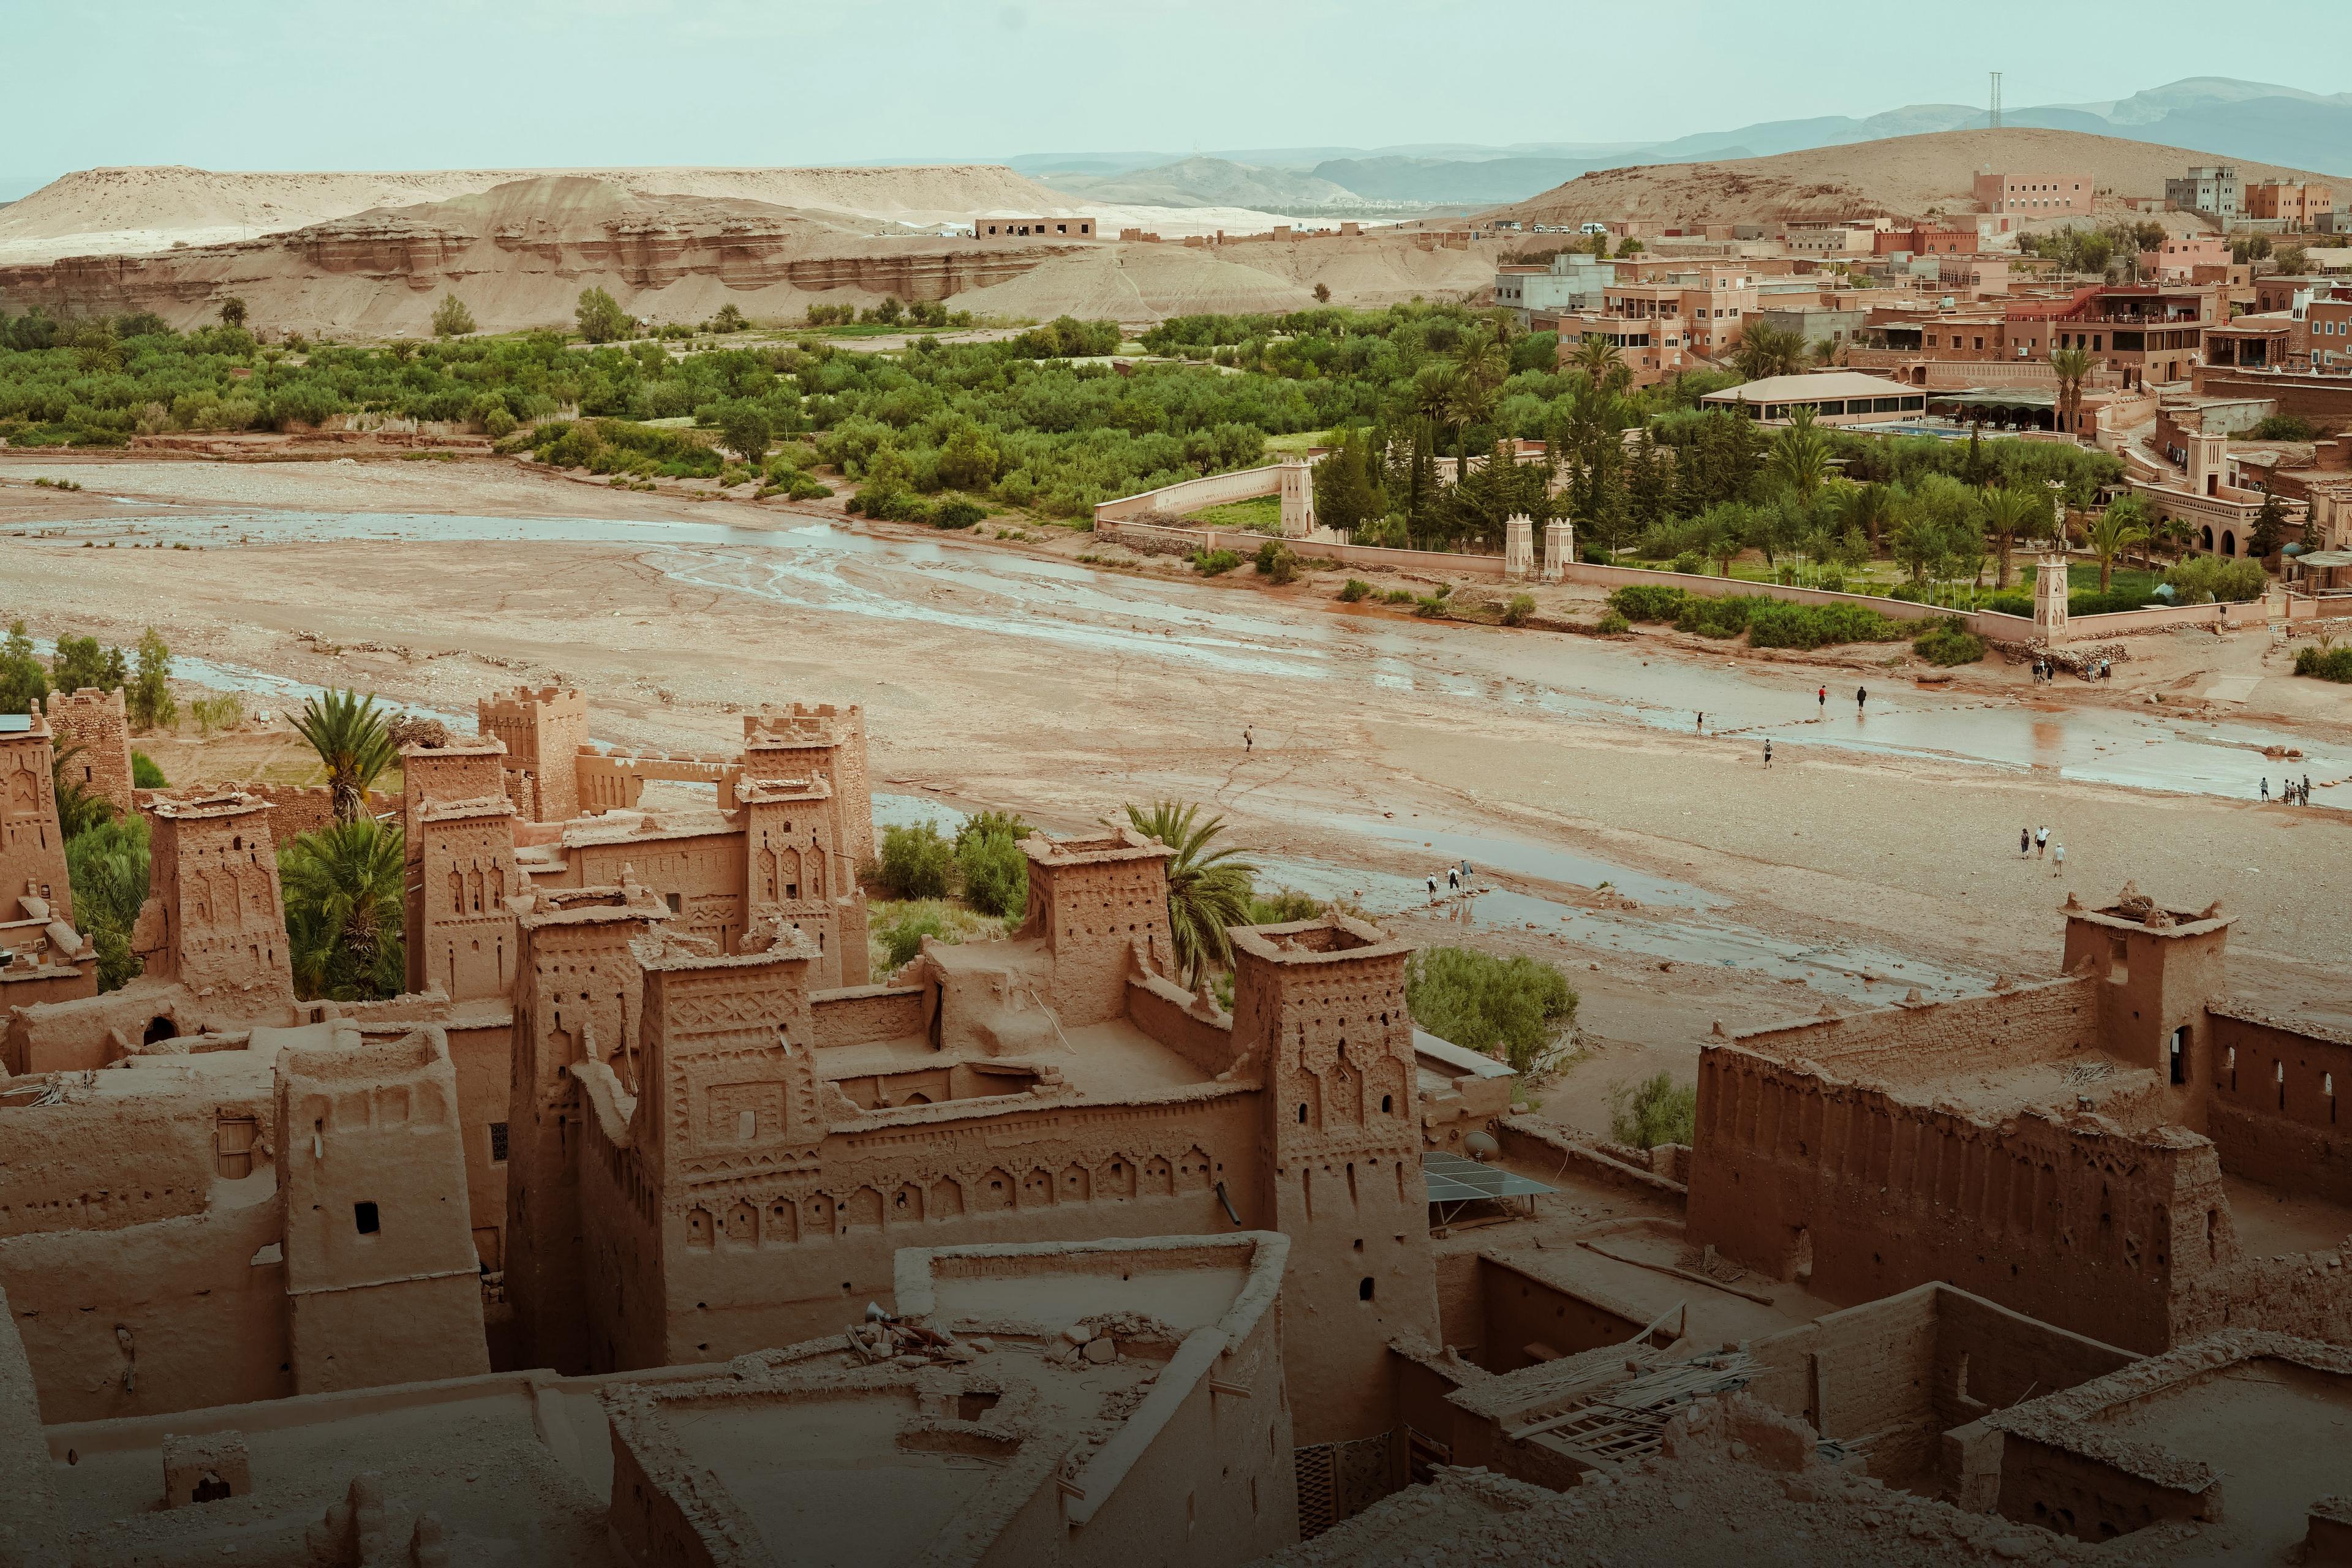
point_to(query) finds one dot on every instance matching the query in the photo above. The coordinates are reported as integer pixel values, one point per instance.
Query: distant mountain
(1209, 183)
(2219, 117)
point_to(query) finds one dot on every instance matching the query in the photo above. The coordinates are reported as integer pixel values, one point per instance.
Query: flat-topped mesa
(214, 918)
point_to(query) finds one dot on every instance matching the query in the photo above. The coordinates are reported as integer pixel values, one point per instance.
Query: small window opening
(1364, 1288)
(498, 1142)
(364, 1216)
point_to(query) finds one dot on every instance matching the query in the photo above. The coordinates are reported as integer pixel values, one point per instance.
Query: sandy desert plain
(1678, 883)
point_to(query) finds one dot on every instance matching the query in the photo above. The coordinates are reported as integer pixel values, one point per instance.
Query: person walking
(1825, 700)
(2024, 842)
(2059, 855)
(2266, 789)
(1453, 878)
(1861, 696)
(1767, 754)
(1433, 887)
(1701, 727)
(2041, 842)
(2306, 789)
(1249, 742)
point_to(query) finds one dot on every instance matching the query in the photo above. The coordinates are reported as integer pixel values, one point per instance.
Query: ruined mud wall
(1973, 1034)
(296, 809)
(92, 726)
(2307, 1294)
(2091, 1499)
(32, 1527)
(2078, 1224)
(1520, 1311)
(1166, 1012)
(2275, 1110)
(863, 1013)
(768, 1259)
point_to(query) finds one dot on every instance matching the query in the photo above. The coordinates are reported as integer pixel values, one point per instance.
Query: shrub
(1948, 642)
(107, 867)
(1646, 602)
(1397, 596)
(915, 862)
(1723, 617)
(226, 711)
(957, 513)
(1772, 623)
(1657, 1111)
(1284, 906)
(1278, 563)
(1511, 1008)
(451, 318)
(600, 318)
(1690, 563)
(2209, 579)
(1517, 612)
(995, 872)
(145, 775)
(1612, 625)
(1430, 606)
(1355, 589)
(1214, 562)
(2326, 664)
(2284, 428)
(902, 939)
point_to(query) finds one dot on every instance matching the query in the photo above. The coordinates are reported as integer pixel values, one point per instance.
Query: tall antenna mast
(1996, 100)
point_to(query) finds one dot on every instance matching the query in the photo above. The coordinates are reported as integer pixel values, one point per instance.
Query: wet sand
(1878, 853)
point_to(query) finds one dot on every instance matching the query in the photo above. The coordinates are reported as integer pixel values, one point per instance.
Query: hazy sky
(238, 84)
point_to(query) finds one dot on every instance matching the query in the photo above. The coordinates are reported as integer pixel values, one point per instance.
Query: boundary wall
(1162, 539)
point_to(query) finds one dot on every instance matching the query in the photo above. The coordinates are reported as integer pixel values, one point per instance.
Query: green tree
(2111, 533)
(600, 318)
(1596, 356)
(232, 312)
(149, 696)
(993, 870)
(354, 742)
(451, 318)
(1347, 496)
(106, 865)
(968, 460)
(1656, 1111)
(915, 862)
(1868, 509)
(1322, 293)
(1208, 887)
(729, 319)
(23, 683)
(744, 428)
(82, 662)
(343, 911)
(2269, 531)
(1515, 1009)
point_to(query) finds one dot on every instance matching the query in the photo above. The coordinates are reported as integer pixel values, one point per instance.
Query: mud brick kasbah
(649, 1226)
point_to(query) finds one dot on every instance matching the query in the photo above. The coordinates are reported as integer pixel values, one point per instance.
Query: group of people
(1455, 875)
(2046, 670)
(2290, 792)
(1861, 696)
(2035, 841)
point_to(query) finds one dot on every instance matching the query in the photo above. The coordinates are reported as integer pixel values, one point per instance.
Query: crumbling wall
(94, 725)
(863, 1013)
(1973, 1034)
(1864, 1377)
(1199, 1032)
(757, 1261)
(297, 809)
(1799, 1175)
(2306, 1294)
(1525, 1318)
(32, 1527)
(2275, 1109)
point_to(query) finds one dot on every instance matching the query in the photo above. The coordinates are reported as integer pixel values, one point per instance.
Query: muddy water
(822, 569)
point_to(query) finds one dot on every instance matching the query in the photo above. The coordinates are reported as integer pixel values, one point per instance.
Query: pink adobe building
(2035, 194)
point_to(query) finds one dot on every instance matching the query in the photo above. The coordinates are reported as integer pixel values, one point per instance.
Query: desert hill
(1903, 176)
(99, 212)
(518, 253)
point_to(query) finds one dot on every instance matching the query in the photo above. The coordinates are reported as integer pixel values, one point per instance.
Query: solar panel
(15, 723)
(1453, 1180)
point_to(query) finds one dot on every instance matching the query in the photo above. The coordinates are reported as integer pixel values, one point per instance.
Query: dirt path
(1383, 747)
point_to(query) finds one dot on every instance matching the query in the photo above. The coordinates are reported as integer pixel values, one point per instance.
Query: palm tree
(2114, 530)
(2073, 367)
(1596, 356)
(1870, 509)
(343, 911)
(349, 734)
(2008, 513)
(1208, 889)
(1801, 455)
(1765, 350)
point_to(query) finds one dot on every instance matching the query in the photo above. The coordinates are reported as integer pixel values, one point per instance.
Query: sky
(237, 84)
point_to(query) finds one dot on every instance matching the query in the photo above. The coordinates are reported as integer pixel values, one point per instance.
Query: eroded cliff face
(520, 256)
